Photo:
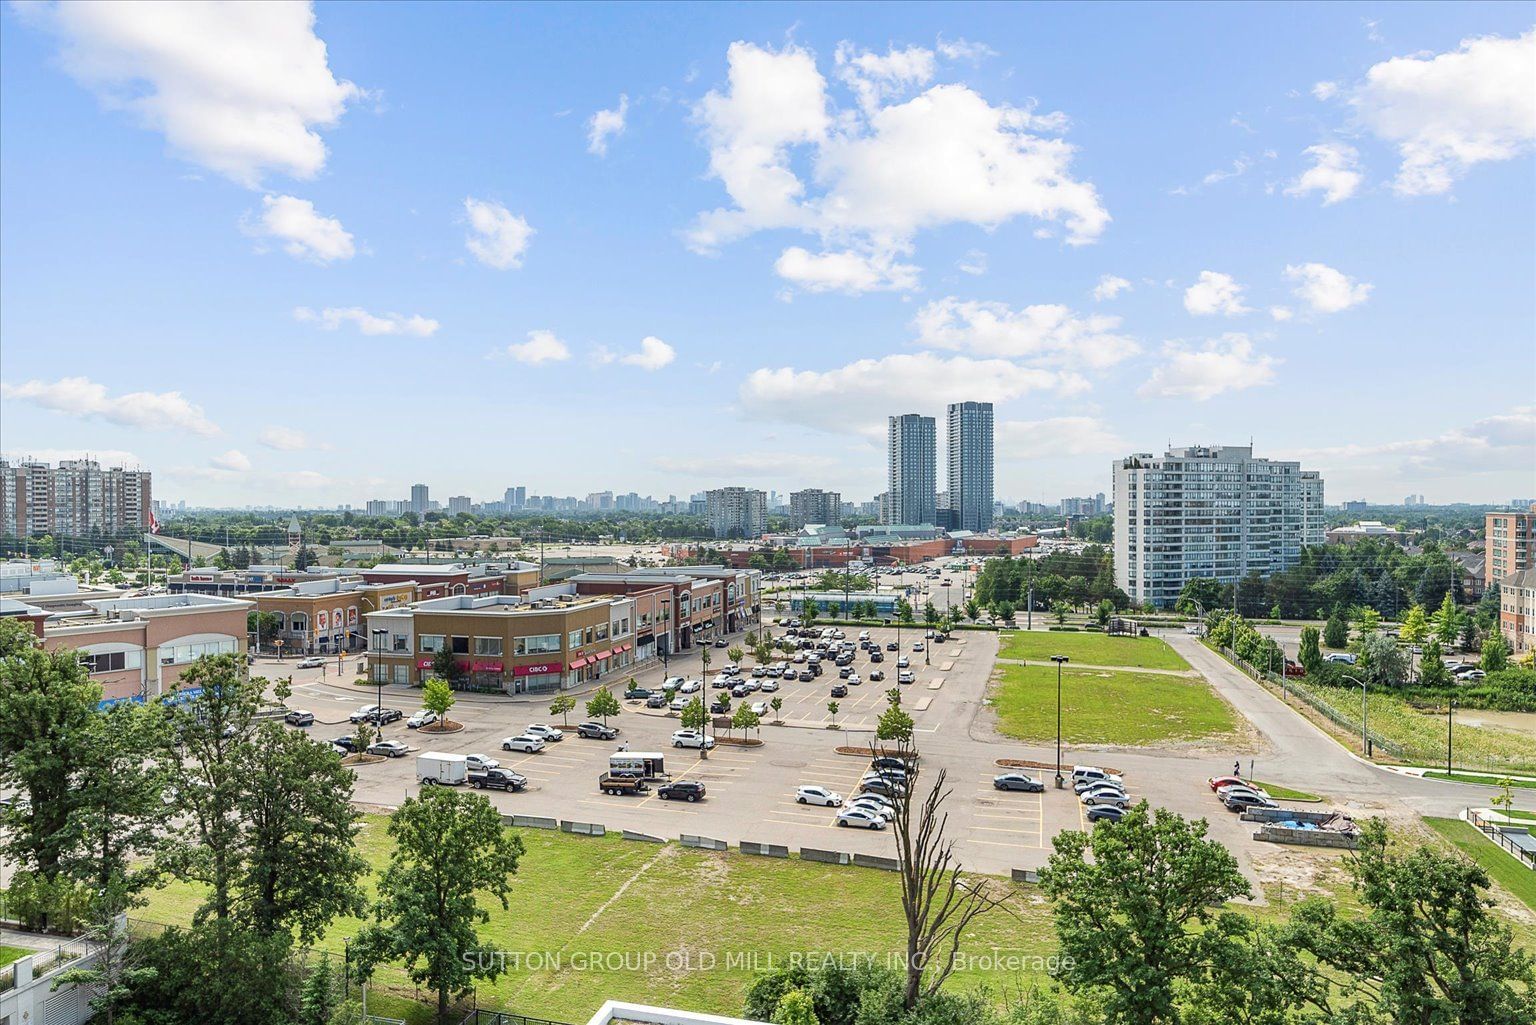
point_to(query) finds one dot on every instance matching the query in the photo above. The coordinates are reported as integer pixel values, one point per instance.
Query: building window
(431, 643)
(180, 654)
(574, 638)
(538, 644)
(460, 645)
(602, 631)
(400, 642)
(298, 623)
(112, 661)
(487, 645)
(402, 675)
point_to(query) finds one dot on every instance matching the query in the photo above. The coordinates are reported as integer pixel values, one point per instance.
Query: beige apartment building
(1517, 610)
(1507, 540)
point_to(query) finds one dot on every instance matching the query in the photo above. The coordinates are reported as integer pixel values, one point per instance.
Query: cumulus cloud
(1048, 334)
(1335, 172)
(887, 168)
(846, 271)
(333, 317)
(1448, 112)
(234, 460)
(1494, 444)
(606, 124)
(541, 347)
(305, 234)
(82, 397)
(1110, 286)
(1281, 313)
(1324, 289)
(1057, 436)
(973, 262)
(285, 439)
(1325, 90)
(653, 355)
(237, 88)
(1224, 364)
(858, 396)
(1215, 293)
(498, 238)
(963, 49)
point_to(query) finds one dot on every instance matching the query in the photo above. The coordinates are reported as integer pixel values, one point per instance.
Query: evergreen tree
(1336, 631)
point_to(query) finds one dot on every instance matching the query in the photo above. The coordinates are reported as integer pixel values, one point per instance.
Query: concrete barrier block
(871, 861)
(534, 822)
(630, 834)
(582, 828)
(825, 857)
(1025, 875)
(766, 850)
(706, 843)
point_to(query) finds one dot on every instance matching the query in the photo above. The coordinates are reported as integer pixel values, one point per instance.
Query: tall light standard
(1365, 742)
(1060, 660)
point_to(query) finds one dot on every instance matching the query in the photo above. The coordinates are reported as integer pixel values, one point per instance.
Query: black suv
(839, 690)
(682, 790)
(385, 716)
(876, 655)
(892, 646)
(497, 779)
(347, 743)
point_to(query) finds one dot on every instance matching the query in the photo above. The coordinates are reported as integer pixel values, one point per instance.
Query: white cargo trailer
(434, 767)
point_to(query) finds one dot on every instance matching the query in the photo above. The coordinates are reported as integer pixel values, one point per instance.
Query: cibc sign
(538, 669)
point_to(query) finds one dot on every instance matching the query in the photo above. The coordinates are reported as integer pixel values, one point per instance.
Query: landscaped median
(1112, 707)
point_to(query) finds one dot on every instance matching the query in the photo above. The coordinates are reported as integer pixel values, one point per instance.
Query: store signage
(537, 669)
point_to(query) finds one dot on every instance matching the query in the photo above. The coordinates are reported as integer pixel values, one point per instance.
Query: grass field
(1093, 649)
(1108, 707)
(1281, 793)
(9, 954)
(1508, 872)
(1487, 781)
(574, 897)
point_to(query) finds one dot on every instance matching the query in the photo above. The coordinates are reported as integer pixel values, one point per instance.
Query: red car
(1294, 669)
(1217, 782)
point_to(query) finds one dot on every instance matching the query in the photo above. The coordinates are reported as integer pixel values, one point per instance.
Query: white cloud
(653, 355)
(1239, 167)
(237, 88)
(606, 124)
(1325, 90)
(82, 397)
(1493, 444)
(498, 238)
(234, 460)
(1110, 286)
(285, 439)
(1223, 364)
(846, 271)
(1215, 293)
(1335, 172)
(857, 397)
(304, 233)
(882, 171)
(1058, 436)
(1324, 289)
(963, 49)
(973, 262)
(1448, 112)
(1281, 313)
(541, 347)
(332, 317)
(1047, 334)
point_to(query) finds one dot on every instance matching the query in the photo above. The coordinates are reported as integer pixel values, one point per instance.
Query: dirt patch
(362, 759)
(444, 727)
(1287, 874)
(870, 752)
(738, 742)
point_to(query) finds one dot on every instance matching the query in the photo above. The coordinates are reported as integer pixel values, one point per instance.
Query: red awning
(626, 646)
(578, 663)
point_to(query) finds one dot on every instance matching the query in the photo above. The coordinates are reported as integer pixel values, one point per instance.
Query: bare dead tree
(938, 900)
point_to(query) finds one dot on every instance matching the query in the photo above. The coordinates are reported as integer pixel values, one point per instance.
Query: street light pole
(1059, 660)
(1365, 743)
(377, 669)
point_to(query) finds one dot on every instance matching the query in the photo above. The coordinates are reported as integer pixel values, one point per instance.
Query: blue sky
(282, 260)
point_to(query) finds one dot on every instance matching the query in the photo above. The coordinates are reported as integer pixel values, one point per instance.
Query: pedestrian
(1237, 767)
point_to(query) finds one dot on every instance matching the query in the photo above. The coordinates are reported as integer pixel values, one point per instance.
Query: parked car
(759, 708)
(806, 794)
(388, 748)
(883, 786)
(806, 676)
(918, 645)
(656, 701)
(1294, 668)
(692, 738)
(479, 763)
(497, 779)
(721, 642)
(691, 687)
(596, 731)
(892, 646)
(891, 762)
(876, 655)
(864, 818)
(845, 672)
(770, 685)
(1342, 657)
(875, 803)
(681, 790)
(312, 662)
(1470, 674)
(1217, 782)
(906, 676)
(719, 706)
(1084, 776)
(672, 683)
(1104, 813)
(740, 691)
(636, 694)
(348, 743)
(903, 662)
(839, 690)
(1106, 795)
(299, 717)
(876, 675)
(1242, 800)
(679, 703)
(420, 719)
(549, 733)
(1018, 781)
(363, 714)
(526, 743)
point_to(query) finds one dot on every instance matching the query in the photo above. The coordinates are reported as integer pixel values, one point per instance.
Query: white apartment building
(1209, 511)
(76, 498)
(814, 505)
(736, 512)
(912, 470)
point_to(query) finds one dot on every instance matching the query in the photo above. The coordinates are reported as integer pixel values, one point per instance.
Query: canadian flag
(154, 524)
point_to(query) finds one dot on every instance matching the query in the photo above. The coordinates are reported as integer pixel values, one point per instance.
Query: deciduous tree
(603, 704)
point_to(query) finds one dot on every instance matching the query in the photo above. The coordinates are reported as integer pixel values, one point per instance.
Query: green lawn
(1508, 872)
(1281, 793)
(9, 954)
(1108, 707)
(1487, 781)
(1091, 648)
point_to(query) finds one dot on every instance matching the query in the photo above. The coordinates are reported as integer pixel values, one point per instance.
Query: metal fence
(1492, 831)
(48, 959)
(483, 1017)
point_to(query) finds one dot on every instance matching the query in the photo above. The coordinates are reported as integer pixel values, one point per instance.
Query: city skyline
(495, 262)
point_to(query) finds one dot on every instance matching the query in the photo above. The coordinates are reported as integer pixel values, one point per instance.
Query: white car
(1341, 657)
(479, 763)
(818, 795)
(870, 802)
(692, 738)
(759, 708)
(864, 817)
(672, 683)
(770, 685)
(363, 713)
(547, 733)
(918, 645)
(526, 743)
(678, 704)
(863, 635)
(1084, 776)
(906, 676)
(690, 687)
(854, 680)
(420, 719)
(799, 657)
(313, 662)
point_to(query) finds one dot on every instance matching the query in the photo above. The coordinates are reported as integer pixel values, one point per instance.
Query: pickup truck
(497, 779)
(615, 785)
